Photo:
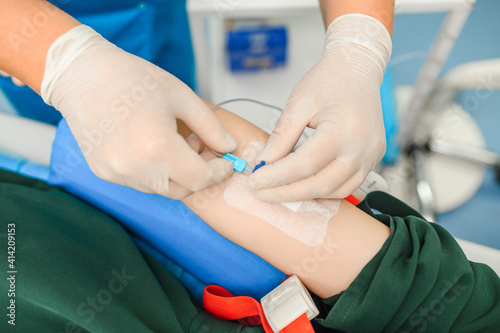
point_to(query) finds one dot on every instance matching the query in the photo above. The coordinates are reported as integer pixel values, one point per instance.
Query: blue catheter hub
(239, 164)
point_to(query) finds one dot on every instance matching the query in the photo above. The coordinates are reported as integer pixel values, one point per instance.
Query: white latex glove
(340, 98)
(15, 80)
(122, 110)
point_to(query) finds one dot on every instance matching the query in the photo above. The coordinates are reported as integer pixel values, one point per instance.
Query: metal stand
(430, 71)
(424, 192)
(423, 92)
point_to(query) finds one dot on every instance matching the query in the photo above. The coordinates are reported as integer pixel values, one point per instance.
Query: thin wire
(252, 101)
(246, 100)
(241, 100)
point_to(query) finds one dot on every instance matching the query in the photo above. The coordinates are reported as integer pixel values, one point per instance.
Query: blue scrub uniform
(156, 30)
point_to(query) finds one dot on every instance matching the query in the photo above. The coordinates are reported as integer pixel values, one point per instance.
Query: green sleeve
(420, 281)
(76, 270)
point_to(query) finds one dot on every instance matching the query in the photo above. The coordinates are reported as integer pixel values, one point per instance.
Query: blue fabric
(156, 30)
(167, 227)
(391, 121)
(24, 167)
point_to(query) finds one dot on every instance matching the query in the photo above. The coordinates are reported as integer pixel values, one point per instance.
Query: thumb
(203, 122)
(287, 131)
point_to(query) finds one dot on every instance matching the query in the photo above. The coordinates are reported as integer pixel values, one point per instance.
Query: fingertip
(221, 169)
(259, 194)
(277, 147)
(284, 136)
(205, 124)
(231, 142)
(257, 180)
(266, 195)
(220, 141)
(194, 142)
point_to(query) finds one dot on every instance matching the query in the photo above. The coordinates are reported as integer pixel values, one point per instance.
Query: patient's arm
(353, 237)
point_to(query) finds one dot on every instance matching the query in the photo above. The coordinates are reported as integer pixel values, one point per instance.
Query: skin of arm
(353, 238)
(27, 30)
(382, 10)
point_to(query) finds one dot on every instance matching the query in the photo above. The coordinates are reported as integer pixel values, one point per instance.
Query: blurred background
(260, 51)
(478, 219)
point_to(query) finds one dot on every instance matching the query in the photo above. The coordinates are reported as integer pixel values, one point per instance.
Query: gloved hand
(122, 111)
(15, 80)
(340, 98)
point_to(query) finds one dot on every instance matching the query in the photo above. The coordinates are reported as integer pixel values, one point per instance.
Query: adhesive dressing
(305, 221)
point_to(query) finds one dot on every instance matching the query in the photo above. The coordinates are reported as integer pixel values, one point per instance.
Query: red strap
(222, 304)
(353, 200)
(299, 325)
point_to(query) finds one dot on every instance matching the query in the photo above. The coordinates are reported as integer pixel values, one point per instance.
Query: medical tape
(305, 221)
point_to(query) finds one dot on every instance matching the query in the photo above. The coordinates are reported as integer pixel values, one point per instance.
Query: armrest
(27, 138)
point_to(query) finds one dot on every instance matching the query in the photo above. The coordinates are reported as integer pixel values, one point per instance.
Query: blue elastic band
(258, 166)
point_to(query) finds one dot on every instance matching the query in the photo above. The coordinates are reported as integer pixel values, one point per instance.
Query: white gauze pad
(305, 221)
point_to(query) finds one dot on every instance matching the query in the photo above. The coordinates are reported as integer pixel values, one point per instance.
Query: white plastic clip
(373, 182)
(287, 302)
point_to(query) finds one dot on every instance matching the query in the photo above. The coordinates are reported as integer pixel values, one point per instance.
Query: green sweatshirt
(74, 269)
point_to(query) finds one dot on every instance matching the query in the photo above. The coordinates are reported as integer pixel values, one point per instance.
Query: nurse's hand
(123, 112)
(15, 80)
(340, 98)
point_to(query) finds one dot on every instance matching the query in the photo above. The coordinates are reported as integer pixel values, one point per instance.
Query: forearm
(382, 10)
(352, 238)
(27, 29)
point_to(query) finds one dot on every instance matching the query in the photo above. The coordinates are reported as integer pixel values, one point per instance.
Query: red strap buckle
(220, 303)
